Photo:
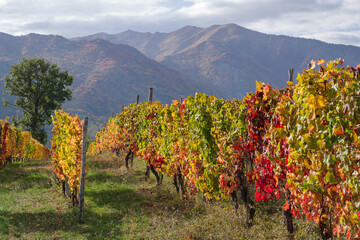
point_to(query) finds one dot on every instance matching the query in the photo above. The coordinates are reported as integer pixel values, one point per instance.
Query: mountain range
(226, 60)
(110, 70)
(107, 76)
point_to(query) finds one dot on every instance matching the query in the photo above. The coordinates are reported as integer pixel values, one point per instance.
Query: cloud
(334, 21)
(76, 17)
(347, 38)
(83, 8)
(329, 20)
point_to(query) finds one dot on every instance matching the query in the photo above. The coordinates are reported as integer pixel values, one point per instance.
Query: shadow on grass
(121, 200)
(103, 177)
(55, 225)
(23, 176)
(12, 172)
(107, 199)
(103, 216)
(105, 165)
(133, 176)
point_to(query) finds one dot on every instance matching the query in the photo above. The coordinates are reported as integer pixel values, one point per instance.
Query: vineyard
(18, 145)
(296, 149)
(66, 149)
(300, 143)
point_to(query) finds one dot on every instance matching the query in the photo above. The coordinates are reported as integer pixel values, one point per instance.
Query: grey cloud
(289, 17)
(255, 10)
(347, 38)
(108, 24)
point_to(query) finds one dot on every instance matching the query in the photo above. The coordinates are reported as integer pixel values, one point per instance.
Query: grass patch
(120, 204)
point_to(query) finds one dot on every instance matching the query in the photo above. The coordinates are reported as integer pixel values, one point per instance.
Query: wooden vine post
(291, 74)
(83, 167)
(151, 167)
(150, 94)
(132, 154)
(288, 219)
(147, 173)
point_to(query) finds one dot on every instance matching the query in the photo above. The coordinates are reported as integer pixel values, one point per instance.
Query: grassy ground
(119, 204)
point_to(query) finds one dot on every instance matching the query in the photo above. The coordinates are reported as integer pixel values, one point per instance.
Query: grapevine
(66, 148)
(300, 142)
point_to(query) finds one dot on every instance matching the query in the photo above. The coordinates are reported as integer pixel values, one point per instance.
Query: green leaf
(329, 178)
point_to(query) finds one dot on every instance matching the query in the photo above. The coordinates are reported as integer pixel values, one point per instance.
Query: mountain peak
(129, 31)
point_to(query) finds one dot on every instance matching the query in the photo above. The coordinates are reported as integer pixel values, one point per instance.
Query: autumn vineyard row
(18, 145)
(66, 150)
(66, 147)
(301, 142)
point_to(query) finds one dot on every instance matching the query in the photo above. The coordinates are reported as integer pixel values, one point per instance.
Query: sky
(333, 21)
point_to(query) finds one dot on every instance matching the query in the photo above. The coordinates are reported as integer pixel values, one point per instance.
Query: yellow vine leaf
(259, 86)
(316, 102)
(320, 61)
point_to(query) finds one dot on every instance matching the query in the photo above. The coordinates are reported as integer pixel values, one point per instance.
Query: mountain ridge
(107, 76)
(226, 60)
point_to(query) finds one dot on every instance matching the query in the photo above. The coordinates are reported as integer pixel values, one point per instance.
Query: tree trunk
(176, 184)
(147, 173)
(181, 182)
(249, 204)
(325, 230)
(235, 202)
(132, 160)
(158, 178)
(127, 159)
(288, 218)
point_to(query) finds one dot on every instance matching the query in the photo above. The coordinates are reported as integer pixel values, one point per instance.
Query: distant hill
(226, 60)
(111, 70)
(107, 76)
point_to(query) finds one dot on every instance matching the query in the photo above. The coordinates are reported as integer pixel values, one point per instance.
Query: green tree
(40, 88)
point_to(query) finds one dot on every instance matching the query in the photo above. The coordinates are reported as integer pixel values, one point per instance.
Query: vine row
(18, 145)
(66, 151)
(301, 142)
